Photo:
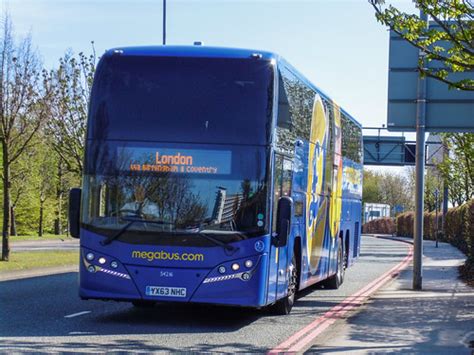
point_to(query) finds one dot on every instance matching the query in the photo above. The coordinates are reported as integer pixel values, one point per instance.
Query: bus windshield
(181, 190)
(194, 100)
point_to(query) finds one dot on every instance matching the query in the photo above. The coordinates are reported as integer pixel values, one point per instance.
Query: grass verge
(39, 259)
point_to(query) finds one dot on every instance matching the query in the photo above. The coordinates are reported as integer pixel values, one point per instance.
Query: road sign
(390, 150)
(380, 150)
(398, 209)
(447, 110)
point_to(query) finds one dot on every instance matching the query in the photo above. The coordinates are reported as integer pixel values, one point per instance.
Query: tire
(336, 280)
(284, 306)
(143, 304)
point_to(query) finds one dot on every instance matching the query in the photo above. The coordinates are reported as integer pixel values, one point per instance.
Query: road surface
(39, 245)
(44, 314)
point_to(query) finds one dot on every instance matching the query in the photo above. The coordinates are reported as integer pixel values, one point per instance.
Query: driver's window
(282, 178)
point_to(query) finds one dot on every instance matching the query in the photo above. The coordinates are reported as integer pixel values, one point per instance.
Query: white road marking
(77, 314)
(81, 333)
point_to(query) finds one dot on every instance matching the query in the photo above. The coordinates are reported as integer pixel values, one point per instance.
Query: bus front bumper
(224, 284)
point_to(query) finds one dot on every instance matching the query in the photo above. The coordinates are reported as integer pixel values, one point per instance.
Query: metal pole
(445, 193)
(164, 22)
(420, 178)
(436, 215)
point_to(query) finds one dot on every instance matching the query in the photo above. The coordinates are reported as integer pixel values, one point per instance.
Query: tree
(433, 183)
(433, 186)
(458, 168)
(395, 191)
(21, 186)
(455, 21)
(22, 110)
(371, 187)
(71, 85)
(391, 189)
(46, 182)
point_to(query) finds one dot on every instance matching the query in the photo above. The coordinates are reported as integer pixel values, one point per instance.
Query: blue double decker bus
(214, 175)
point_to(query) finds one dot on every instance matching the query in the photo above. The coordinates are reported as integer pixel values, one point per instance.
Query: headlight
(90, 256)
(235, 266)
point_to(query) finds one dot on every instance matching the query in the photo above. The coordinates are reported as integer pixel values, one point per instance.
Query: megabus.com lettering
(164, 255)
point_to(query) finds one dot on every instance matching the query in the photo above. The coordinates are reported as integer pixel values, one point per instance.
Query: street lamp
(164, 22)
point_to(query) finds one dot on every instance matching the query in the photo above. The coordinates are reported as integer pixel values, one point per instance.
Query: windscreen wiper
(130, 220)
(216, 241)
(226, 246)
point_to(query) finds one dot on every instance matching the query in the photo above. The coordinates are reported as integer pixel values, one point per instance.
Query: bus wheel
(284, 306)
(338, 278)
(143, 304)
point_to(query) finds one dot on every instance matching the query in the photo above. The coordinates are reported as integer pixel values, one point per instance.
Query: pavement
(438, 319)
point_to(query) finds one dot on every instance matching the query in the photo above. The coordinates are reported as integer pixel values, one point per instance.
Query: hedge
(384, 225)
(458, 229)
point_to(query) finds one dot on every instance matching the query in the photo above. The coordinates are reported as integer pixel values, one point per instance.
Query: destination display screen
(173, 160)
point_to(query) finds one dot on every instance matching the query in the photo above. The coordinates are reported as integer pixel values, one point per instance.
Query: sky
(336, 44)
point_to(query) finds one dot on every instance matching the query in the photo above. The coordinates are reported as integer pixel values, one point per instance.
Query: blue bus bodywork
(221, 185)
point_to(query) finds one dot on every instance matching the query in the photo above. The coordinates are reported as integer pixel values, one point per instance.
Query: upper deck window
(179, 99)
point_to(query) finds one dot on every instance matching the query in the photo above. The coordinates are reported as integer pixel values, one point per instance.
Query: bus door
(282, 184)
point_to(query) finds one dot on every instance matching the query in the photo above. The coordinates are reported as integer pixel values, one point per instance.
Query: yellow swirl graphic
(316, 205)
(336, 196)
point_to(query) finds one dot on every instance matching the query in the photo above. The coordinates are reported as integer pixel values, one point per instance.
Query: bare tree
(70, 84)
(22, 111)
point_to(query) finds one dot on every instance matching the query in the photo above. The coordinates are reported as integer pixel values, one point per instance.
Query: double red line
(302, 338)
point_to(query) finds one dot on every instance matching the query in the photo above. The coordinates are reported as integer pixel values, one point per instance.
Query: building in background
(375, 210)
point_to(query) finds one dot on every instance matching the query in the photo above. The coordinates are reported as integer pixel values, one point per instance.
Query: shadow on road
(59, 298)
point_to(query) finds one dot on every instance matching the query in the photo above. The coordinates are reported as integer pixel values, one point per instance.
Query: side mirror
(284, 213)
(74, 212)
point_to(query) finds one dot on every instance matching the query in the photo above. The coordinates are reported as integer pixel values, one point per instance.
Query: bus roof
(296, 72)
(192, 51)
(199, 51)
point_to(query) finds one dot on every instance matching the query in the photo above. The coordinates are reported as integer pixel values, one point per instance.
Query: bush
(404, 223)
(458, 229)
(384, 225)
(429, 225)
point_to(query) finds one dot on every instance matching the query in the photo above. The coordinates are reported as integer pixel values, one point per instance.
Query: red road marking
(304, 336)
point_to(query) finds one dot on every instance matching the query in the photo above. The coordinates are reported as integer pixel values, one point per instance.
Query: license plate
(161, 291)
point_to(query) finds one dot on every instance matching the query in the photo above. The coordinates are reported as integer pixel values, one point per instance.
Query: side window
(327, 182)
(287, 177)
(277, 175)
(360, 152)
(300, 99)
(351, 140)
(282, 180)
(295, 110)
